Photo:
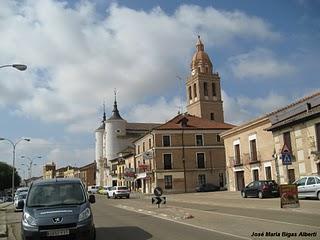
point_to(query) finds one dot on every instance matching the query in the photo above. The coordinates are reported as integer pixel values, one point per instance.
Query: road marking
(184, 223)
(252, 218)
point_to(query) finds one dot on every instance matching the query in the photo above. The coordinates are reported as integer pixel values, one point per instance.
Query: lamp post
(20, 67)
(14, 144)
(30, 164)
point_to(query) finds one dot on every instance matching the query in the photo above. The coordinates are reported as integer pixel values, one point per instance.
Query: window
(195, 90)
(201, 179)
(138, 149)
(167, 161)
(205, 89)
(302, 182)
(143, 147)
(268, 173)
(190, 93)
(150, 143)
(255, 174)
(199, 69)
(311, 181)
(318, 180)
(218, 138)
(207, 69)
(318, 136)
(166, 141)
(237, 153)
(212, 116)
(318, 168)
(199, 140)
(253, 150)
(200, 160)
(214, 93)
(168, 182)
(287, 140)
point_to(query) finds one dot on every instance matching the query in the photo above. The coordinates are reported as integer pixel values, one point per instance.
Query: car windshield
(55, 194)
(22, 196)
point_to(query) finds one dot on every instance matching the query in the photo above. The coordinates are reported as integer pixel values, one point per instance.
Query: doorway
(240, 180)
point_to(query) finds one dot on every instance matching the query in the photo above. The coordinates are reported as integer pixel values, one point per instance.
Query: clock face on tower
(193, 72)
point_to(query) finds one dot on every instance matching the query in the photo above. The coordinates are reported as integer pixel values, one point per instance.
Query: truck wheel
(108, 195)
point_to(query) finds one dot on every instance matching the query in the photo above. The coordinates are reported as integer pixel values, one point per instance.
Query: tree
(6, 176)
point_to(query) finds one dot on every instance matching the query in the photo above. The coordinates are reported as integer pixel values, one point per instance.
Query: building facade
(249, 154)
(181, 154)
(297, 126)
(114, 136)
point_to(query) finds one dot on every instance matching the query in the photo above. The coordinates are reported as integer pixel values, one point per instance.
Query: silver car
(57, 209)
(308, 186)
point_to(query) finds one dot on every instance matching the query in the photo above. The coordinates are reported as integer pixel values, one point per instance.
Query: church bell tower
(203, 87)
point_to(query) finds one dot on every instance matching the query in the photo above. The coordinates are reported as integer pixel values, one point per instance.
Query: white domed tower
(203, 87)
(99, 133)
(115, 128)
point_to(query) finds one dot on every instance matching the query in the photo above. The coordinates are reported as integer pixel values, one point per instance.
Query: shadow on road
(117, 233)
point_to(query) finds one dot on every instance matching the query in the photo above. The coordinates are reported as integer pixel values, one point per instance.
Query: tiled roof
(295, 103)
(142, 126)
(193, 123)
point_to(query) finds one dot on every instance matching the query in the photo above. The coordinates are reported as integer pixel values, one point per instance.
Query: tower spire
(115, 111)
(199, 45)
(104, 112)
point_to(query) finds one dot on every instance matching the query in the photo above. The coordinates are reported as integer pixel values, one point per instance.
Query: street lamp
(20, 67)
(30, 164)
(14, 156)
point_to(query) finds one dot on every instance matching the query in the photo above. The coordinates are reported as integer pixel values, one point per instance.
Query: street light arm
(20, 67)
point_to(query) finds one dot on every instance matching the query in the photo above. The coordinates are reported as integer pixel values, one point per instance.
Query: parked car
(93, 189)
(261, 189)
(20, 190)
(21, 196)
(118, 192)
(207, 187)
(57, 209)
(103, 190)
(308, 186)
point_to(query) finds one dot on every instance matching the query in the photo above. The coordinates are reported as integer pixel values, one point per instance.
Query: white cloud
(61, 153)
(158, 112)
(259, 64)
(76, 59)
(241, 108)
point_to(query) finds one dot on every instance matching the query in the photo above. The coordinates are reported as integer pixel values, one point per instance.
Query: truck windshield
(55, 194)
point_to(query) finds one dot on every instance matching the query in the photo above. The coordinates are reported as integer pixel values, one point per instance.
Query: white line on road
(184, 223)
(252, 218)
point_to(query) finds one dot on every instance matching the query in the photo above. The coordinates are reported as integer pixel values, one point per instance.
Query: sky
(78, 52)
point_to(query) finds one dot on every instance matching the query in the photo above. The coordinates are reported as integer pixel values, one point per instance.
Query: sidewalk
(3, 223)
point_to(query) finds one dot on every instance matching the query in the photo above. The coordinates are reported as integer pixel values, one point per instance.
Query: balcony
(235, 162)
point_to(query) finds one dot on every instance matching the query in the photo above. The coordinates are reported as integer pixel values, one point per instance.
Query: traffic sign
(286, 155)
(286, 159)
(158, 191)
(159, 200)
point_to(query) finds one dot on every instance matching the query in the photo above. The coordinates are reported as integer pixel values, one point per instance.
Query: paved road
(200, 216)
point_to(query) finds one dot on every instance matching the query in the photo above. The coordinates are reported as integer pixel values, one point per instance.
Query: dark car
(207, 187)
(57, 209)
(261, 189)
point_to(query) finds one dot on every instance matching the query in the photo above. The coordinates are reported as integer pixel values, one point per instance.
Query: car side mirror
(21, 204)
(92, 199)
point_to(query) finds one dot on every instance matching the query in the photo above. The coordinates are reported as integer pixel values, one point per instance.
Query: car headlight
(84, 214)
(27, 218)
